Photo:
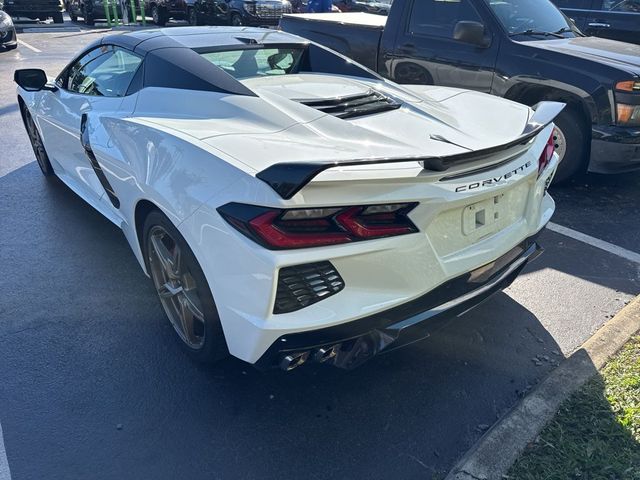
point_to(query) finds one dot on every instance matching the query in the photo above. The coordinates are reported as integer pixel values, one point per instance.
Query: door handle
(599, 25)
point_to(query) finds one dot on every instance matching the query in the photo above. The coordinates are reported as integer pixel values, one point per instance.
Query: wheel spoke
(163, 255)
(167, 290)
(192, 305)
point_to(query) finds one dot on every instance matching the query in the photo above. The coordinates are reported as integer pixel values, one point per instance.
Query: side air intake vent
(354, 105)
(304, 285)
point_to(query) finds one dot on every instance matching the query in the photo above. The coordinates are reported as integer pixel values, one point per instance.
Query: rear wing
(288, 178)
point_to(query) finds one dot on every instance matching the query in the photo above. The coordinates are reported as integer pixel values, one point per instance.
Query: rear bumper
(615, 149)
(355, 342)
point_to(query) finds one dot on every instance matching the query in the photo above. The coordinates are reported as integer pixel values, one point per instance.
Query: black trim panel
(84, 139)
(289, 178)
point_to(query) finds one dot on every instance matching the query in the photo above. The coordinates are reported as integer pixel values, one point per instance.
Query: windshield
(257, 62)
(531, 17)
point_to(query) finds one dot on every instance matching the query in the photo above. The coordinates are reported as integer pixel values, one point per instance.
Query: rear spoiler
(289, 178)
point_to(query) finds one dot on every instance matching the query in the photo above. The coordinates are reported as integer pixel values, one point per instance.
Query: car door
(426, 51)
(577, 10)
(95, 83)
(615, 19)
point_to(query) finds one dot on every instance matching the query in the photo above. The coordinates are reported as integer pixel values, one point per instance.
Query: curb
(492, 456)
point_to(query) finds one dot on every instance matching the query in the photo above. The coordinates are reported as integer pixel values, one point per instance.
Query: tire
(74, 18)
(88, 18)
(236, 20)
(410, 73)
(193, 17)
(36, 143)
(158, 15)
(570, 131)
(11, 47)
(205, 340)
(57, 18)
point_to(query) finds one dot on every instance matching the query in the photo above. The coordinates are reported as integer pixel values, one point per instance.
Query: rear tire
(11, 47)
(570, 130)
(159, 16)
(88, 18)
(58, 18)
(193, 17)
(183, 289)
(74, 18)
(236, 20)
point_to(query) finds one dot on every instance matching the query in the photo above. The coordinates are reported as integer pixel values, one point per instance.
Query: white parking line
(595, 242)
(25, 44)
(5, 474)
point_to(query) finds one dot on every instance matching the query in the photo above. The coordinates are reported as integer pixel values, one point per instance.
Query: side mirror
(471, 32)
(31, 79)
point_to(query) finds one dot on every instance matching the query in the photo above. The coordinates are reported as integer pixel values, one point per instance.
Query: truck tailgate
(356, 35)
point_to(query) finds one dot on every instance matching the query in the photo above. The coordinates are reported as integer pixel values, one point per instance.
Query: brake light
(547, 154)
(303, 228)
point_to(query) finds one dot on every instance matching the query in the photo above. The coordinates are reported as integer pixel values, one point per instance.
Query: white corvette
(288, 204)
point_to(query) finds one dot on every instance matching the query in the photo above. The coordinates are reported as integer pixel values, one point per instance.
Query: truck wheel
(413, 74)
(158, 15)
(193, 17)
(88, 18)
(236, 20)
(570, 142)
(57, 18)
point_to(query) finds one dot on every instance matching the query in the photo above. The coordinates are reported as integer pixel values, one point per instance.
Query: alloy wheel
(176, 287)
(560, 143)
(36, 142)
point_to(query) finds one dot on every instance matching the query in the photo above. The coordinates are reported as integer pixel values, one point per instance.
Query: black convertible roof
(171, 58)
(145, 41)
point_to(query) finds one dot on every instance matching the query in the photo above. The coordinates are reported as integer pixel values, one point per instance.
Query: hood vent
(354, 105)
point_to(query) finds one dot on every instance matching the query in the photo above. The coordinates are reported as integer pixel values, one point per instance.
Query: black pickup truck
(523, 50)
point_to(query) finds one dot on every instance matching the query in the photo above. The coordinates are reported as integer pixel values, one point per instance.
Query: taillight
(314, 227)
(547, 154)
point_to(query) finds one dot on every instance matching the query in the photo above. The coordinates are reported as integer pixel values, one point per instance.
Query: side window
(622, 6)
(579, 4)
(105, 75)
(438, 18)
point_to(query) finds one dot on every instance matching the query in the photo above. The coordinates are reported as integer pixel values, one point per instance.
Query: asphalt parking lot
(93, 384)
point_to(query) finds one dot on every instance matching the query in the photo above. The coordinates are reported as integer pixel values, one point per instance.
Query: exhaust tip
(326, 353)
(293, 360)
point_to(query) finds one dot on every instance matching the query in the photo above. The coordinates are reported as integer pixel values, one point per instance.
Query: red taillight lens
(314, 227)
(547, 154)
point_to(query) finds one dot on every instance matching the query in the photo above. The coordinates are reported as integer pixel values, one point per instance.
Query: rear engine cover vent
(354, 105)
(304, 285)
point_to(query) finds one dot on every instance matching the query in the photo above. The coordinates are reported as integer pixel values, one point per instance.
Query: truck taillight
(278, 229)
(546, 155)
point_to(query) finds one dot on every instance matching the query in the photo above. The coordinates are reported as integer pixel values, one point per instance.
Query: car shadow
(94, 379)
(95, 385)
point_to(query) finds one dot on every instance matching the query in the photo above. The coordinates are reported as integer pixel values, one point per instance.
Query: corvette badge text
(493, 181)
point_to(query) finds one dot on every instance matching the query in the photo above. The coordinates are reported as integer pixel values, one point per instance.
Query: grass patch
(596, 433)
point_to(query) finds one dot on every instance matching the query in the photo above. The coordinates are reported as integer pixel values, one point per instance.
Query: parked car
(614, 19)
(215, 150)
(523, 50)
(8, 37)
(90, 10)
(240, 12)
(35, 9)
(163, 10)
